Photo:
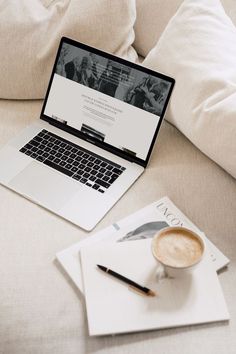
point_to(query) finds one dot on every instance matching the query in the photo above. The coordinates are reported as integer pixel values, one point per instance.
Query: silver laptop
(96, 131)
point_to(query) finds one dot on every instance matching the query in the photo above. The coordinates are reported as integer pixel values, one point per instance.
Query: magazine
(142, 224)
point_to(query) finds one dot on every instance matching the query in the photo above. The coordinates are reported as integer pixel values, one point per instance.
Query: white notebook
(112, 308)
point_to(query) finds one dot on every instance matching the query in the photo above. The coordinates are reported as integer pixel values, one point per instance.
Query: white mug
(185, 246)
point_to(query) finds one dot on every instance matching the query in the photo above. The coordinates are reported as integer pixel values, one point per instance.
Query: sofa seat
(43, 312)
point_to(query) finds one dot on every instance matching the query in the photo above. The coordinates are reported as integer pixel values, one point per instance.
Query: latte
(177, 247)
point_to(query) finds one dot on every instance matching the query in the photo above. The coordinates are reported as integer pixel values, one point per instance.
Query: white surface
(112, 308)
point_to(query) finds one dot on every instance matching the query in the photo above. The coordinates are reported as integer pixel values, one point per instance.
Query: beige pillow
(152, 18)
(198, 49)
(31, 31)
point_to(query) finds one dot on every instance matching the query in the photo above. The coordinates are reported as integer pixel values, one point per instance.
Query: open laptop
(96, 131)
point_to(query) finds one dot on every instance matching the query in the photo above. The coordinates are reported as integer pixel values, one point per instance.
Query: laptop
(97, 128)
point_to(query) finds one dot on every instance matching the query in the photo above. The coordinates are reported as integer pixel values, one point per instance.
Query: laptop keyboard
(74, 161)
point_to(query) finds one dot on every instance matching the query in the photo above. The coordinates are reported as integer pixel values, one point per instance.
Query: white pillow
(198, 49)
(152, 18)
(31, 31)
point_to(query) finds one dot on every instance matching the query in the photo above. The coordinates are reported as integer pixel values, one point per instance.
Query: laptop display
(106, 100)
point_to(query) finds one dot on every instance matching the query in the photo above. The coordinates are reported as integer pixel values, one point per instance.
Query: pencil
(132, 284)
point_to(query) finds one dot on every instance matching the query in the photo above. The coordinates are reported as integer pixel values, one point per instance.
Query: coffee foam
(177, 248)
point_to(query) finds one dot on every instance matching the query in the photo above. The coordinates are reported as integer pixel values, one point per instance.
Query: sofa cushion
(152, 18)
(31, 31)
(198, 48)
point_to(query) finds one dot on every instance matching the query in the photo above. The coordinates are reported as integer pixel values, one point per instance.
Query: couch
(41, 310)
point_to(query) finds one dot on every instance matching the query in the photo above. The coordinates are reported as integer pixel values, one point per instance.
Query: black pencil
(133, 284)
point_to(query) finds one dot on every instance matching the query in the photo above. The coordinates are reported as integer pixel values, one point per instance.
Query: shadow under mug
(165, 270)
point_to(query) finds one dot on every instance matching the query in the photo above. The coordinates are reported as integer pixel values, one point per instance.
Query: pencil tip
(151, 293)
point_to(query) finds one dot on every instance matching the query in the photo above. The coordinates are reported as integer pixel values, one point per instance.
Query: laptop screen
(110, 101)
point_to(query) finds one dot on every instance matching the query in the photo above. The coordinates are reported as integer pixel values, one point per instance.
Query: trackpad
(44, 185)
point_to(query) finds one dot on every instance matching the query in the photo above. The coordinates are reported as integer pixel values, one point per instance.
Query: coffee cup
(178, 251)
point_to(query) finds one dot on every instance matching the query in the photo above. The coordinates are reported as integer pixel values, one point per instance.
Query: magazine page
(140, 225)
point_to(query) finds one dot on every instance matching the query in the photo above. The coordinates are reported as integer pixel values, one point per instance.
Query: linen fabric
(198, 49)
(31, 31)
(152, 18)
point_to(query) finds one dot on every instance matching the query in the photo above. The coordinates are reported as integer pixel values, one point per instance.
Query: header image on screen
(111, 102)
(112, 78)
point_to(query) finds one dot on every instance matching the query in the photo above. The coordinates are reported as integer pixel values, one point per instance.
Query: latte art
(177, 248)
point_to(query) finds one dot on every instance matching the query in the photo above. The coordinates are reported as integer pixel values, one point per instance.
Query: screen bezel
(83, 136)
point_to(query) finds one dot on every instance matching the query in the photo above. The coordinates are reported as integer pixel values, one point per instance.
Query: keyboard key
(37, 138)
(115, 170)
(72, 156)
(83, 180)
(99, 175)
(34, 143)
(68, 166)
(58, 154)
(57, 160)
(23, 149)
(58, 167)
(74, 150)
(96, 186)
(114, 176)
(102, 170)
(42, 133)
(77, 177)
(53, 152)
(102, 183)
(40, 158)
(101, 190)
(88, 184)
(86, 175)
(103, 164)
(73, 169)
(75, 163)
